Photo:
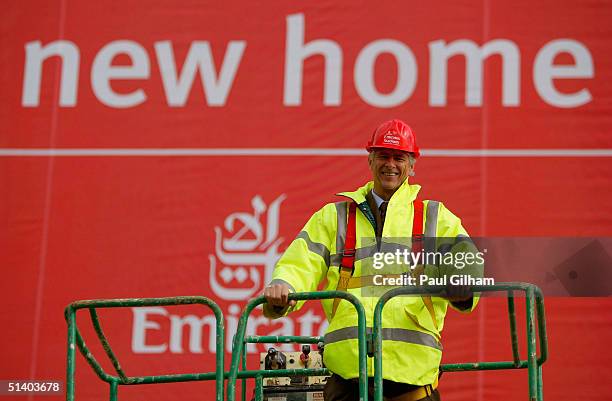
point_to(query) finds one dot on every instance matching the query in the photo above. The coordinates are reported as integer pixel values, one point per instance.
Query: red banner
(167, 149)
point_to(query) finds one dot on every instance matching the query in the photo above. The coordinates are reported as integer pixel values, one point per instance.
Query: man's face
(389, 169)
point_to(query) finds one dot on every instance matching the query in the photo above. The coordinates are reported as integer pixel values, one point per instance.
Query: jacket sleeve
(305, 262)
(455, 239)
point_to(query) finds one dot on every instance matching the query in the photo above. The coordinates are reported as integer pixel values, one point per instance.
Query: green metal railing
(75, 339)
(533, 363)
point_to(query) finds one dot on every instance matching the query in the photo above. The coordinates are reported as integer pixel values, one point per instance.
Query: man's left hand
(458, 293)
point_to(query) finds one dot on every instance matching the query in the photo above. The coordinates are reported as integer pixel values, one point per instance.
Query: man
(383, 215)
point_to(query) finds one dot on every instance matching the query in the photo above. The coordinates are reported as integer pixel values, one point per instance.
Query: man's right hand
(277, 296)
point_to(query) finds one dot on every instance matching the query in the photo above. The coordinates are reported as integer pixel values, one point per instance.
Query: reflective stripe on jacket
(411, 347)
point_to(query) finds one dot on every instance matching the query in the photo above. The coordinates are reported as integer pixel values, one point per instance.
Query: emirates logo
(246, 251)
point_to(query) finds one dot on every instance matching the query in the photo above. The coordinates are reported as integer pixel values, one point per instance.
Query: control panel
(294, 388)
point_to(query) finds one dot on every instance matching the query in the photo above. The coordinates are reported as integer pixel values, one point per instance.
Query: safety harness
(347, 265)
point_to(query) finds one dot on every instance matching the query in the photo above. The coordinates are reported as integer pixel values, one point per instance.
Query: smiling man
(337, 247)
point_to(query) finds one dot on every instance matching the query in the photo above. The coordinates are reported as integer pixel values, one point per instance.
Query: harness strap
(417, 248)
(348, 255)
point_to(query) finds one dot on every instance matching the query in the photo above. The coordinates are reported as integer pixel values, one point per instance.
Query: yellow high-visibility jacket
(411, 341)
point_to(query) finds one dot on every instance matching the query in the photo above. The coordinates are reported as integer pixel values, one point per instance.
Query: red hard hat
(394, 134)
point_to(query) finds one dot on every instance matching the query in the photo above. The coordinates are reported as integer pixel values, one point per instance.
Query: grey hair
(411, 158)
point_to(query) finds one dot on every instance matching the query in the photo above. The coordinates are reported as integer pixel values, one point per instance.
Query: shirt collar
(377, 199)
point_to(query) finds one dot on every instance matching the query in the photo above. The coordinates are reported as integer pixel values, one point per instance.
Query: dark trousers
(339, 389)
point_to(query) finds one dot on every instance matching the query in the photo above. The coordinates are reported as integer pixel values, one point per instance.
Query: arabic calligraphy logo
(248, 247)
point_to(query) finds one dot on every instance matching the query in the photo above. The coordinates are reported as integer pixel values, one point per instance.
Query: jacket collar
(406, 193)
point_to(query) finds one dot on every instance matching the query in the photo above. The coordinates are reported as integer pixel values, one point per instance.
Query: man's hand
(458, 293)
(277, 296)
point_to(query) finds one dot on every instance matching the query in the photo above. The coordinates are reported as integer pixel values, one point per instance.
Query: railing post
(113, 391)
(70, 366)
(541, 326)
(540, 385)
(531, 346)
(244, 367)
(513, 336)
(258, 388)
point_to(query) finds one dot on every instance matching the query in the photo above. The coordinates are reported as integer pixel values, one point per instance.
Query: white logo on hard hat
(391, 138)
